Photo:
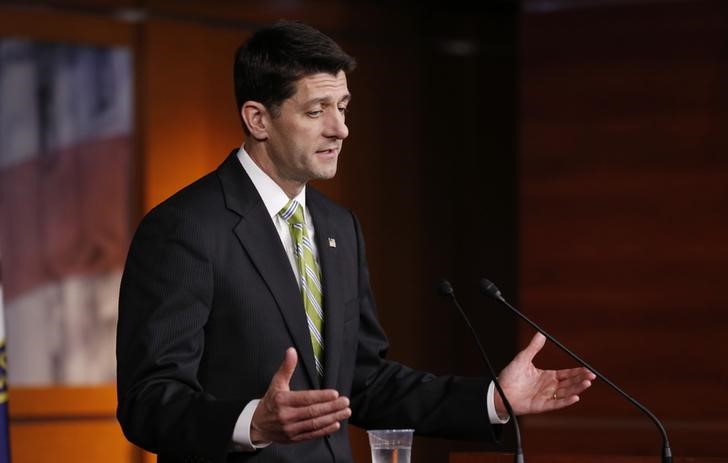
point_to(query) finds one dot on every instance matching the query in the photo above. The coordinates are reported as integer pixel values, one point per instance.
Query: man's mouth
(328, 152)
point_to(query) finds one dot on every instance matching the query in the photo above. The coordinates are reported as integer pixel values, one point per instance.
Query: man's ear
(255, 116)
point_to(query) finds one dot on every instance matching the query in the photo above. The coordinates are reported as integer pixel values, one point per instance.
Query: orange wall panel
(189, 115)
(71, 441)
(67, 424)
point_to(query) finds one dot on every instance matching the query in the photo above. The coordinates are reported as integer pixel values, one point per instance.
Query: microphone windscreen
(445, 288)
(488, 288)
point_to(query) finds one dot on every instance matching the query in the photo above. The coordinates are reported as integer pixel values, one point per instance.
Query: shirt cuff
(490, 401)
(241, 433)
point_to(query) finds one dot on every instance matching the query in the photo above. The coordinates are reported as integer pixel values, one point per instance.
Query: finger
(306, 398)
(295, 414)
(537, 342)
(573, 389)
(564, 402)
(581, 373)
(332, 428)
(572, 380)
(314, 425)
(282, 378)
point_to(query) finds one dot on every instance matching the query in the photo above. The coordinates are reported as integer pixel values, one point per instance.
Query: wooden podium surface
(486, 457)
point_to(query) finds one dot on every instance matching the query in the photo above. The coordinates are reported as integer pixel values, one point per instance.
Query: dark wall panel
(624, 215)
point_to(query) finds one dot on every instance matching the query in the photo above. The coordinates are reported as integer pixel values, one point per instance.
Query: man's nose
(336, 126)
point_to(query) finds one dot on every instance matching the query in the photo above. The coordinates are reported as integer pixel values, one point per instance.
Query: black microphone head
(445, 288)
(488, 288)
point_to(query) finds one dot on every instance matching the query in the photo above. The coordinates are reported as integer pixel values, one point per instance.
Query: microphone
(446, 291)
(491, 290)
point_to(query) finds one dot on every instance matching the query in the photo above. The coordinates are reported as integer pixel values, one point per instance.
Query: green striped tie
(310, 278)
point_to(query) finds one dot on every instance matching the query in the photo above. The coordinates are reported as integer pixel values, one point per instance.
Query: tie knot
(292, 212)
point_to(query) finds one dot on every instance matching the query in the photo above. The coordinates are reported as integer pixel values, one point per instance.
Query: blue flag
(4, 423)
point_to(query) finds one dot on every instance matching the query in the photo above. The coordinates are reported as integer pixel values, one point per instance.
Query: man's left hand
(531, 390)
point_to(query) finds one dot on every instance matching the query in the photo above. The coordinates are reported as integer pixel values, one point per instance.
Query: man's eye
(342, 109)
(316, 113)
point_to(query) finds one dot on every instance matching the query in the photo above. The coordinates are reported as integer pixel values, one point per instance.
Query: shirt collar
(273, 195)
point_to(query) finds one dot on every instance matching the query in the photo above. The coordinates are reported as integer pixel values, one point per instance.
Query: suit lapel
(333, 299)
(259, 237)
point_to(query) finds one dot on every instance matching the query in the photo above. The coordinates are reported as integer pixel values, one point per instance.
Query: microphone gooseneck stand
(446, 291)
(491, 290)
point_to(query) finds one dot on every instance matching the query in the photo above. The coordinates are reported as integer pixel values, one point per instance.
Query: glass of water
(390, 445)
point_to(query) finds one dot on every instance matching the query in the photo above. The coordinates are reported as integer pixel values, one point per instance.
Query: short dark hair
(270, 63)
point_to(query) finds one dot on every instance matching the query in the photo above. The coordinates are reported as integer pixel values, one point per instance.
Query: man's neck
(261, 158)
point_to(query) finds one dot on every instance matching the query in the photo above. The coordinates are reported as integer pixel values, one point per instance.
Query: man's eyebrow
(344, 99)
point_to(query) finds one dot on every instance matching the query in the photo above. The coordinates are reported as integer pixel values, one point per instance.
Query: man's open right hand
(286, 416)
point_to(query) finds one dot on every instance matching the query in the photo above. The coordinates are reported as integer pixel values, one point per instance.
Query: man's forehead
(322, 86)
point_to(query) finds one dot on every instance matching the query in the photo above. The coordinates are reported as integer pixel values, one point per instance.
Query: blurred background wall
(572, 151)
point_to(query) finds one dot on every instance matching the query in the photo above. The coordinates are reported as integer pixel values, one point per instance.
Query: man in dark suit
(247, 326)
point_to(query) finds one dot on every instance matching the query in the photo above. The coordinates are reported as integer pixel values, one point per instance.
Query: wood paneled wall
(624, 216)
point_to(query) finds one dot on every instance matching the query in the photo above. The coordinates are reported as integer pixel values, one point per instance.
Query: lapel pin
(332, 243)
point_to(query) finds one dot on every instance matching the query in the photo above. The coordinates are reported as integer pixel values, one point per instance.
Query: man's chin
(327, 175)
(325, 172)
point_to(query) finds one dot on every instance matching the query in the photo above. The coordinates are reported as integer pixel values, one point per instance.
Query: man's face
(304, 140)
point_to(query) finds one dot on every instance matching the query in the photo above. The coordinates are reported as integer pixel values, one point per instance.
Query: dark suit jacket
(208, 305)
